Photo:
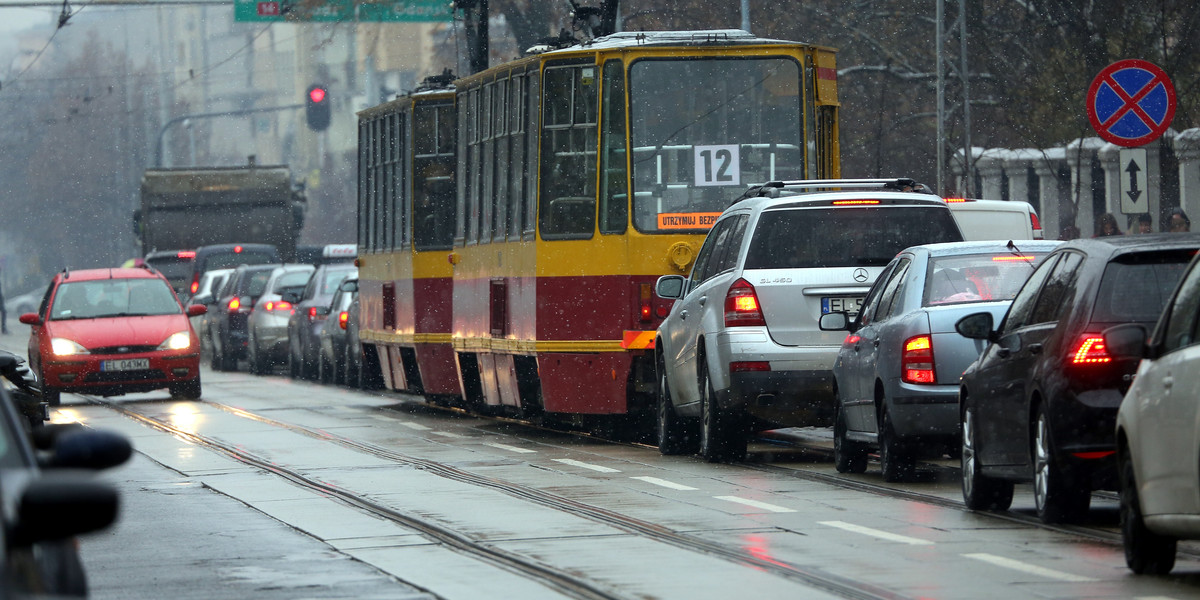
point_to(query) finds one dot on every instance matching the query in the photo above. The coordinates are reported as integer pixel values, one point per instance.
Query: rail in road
(565, 581)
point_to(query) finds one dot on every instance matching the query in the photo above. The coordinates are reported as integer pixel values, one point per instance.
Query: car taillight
(1089, 350)
(195, 283)
(312, 312)
(916, 364)
(234, 304)
(741, 306)
(281, 305)
(1037, 225)
(343, 318)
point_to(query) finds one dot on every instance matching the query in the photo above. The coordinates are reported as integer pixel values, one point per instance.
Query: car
(175, 265)
(1159, 422)
(1001, 220)
(312, 307)
(228, 256)
(331, 340)
(896, 375)
(53, 497)
(362, 370)
(329, 253)
(1040, 404)
(113, 331)
(229, 331)
(206, 294)
(267, 344)
(740, 347)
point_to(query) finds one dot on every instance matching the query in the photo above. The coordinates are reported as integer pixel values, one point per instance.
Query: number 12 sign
(718, 165)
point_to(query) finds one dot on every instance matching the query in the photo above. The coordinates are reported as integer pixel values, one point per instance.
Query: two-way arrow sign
(1135, 197)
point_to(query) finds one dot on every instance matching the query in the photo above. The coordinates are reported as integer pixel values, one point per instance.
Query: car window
(728, 251)
(977, 277)
(887, 298)
(256, 284)
(1023, 302)
(113, 297)
(1181, 317)
(228, 260)
(1153, 274)
(707, 250)
(845, 237)
(332, 279)
(1057, 293)
(871, 302)
(292, 279)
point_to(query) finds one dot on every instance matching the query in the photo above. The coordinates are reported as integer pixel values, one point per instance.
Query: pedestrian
(1144, 224)
(1107, 226)
(1069, 232)
(1178, 222)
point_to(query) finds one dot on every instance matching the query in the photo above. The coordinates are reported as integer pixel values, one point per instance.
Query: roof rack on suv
(771, 189)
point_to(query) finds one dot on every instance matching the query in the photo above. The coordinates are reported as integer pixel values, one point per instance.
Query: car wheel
(848, 456)
(895, 459)
(1146, 552)
(214, 354)
(980, 492)
(254, 359)
(349, 374)
(674, 434)
(187, 390)
(293, 364)
(1060, 497)
(721, 437)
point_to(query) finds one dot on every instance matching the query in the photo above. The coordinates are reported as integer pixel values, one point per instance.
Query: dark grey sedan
(897, 372)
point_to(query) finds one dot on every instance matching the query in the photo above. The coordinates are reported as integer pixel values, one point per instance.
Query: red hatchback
(113, 331)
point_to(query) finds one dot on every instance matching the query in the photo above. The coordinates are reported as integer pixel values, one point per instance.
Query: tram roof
(704, 37)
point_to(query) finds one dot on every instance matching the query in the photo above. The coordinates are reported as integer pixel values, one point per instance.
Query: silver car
(268, 342)
(207, 292)
(896, 377)
(740, 349)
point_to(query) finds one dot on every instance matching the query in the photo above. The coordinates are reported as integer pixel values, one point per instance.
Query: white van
(995, 219)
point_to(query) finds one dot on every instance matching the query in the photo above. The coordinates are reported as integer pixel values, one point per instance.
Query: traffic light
(316, 108)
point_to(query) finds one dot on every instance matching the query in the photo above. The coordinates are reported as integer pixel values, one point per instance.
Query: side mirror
(57, 506)
(835, 321)
(195, 310)
(976, 326)
(30, 319)
(1126, 341)
(669, 287)
(78, 448)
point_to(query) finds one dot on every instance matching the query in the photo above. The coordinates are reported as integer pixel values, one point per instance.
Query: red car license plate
(125, 364)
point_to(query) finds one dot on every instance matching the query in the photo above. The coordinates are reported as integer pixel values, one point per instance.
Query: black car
(228, 256)
(229, 317)
(1041, 402)
(52, 501)
(312, 308)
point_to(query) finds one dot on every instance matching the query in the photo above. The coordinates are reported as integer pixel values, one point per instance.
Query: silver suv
(741, 349)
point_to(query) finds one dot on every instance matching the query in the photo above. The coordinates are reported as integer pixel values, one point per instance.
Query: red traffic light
(316, 108)
(316, 94)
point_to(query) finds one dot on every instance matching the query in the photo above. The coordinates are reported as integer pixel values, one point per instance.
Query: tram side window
(516, 156)
(529, 200)
(499, 197)
(433, 178)
(464, 169)
(568, 169)
(476, 169)
(363, 169)
(614, 196)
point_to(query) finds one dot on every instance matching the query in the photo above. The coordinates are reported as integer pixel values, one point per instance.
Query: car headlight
(65, 347)
(178, 341)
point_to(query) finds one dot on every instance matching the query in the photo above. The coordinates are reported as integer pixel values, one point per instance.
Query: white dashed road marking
(755, 504)
(449, 434)
(510, 448)
(883, 535)
(416, 426)
(1017, 565)
(664, 483)
(583, 465)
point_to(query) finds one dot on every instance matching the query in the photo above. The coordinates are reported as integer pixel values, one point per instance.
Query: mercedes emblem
(861, 275)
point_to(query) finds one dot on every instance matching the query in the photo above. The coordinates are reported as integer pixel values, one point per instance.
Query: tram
(579, 176)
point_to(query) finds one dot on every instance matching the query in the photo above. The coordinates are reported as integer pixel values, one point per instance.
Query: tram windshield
(704, 129)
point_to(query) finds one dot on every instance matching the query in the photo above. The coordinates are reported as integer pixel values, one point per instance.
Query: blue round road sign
(1131, 102)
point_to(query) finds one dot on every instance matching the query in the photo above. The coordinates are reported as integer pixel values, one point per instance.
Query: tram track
(568, 583)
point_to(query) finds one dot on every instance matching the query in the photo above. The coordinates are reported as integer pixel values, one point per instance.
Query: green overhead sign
(330, 11)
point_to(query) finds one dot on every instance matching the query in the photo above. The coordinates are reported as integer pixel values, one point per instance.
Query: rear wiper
(1017, 252)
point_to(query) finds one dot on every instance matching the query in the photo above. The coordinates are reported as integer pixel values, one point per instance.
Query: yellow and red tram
(580, 176)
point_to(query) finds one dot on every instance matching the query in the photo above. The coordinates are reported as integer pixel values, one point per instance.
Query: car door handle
(1035, 348)
(1168, 381)
(875, 343)
(683, 314)
(702, 300)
